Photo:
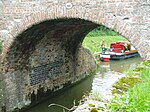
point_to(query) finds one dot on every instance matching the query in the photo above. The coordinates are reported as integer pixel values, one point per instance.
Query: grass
(93, 39)
(137, 98)
(95, 96)
(124, 83)
(93, 43)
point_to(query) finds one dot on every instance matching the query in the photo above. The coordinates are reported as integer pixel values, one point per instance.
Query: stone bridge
(42, 40)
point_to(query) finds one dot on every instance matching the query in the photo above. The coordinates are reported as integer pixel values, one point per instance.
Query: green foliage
(91, 105)
(124, 83)
(94, 38)
(102, 31)
(93, 43)
(139, 69)
(145, 74)
(137, 98)
(95, 96)
(94, 110)
(147, 63)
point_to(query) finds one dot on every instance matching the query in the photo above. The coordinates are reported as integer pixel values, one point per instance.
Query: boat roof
(120, 42)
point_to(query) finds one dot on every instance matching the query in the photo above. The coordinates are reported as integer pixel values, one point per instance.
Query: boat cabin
(117, 51)
(120, 47)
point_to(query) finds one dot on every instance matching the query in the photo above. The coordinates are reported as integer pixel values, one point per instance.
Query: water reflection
(109, 73)
(66, 98)
(123, 65)
(106, 71)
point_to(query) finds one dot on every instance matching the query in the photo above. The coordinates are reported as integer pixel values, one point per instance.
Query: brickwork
(42, 41)
(48, 55)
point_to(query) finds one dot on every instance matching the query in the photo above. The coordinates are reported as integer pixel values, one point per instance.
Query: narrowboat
(118, 51)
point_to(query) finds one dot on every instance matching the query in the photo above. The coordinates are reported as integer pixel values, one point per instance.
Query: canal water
(74, 94)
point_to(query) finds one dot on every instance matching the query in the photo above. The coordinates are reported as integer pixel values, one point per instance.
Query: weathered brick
(33, 43)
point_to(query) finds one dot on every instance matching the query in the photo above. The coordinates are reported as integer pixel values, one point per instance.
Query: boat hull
(123, 56)
(118, 51)
(117, 56)
(105, 57)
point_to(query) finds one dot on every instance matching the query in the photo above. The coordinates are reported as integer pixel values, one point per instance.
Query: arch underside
(65, 33)
(47, 56)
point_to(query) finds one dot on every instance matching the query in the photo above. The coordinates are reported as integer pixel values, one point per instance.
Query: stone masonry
(42, 40)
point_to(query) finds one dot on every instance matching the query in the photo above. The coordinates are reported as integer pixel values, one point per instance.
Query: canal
(75, 93)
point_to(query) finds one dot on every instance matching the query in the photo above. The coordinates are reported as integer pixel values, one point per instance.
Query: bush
(102, 31)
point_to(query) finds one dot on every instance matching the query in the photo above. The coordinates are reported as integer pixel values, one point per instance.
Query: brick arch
(62, 49)
(98, 17)
(117, 24)
(110, 20)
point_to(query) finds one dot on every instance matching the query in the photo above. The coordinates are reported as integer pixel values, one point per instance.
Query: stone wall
(42, 41)
(130, 18)
(44, 59)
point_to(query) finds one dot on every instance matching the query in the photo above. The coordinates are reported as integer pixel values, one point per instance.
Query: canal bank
(101, 93)
(128, 93)
(136, 97)
(75, 94)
